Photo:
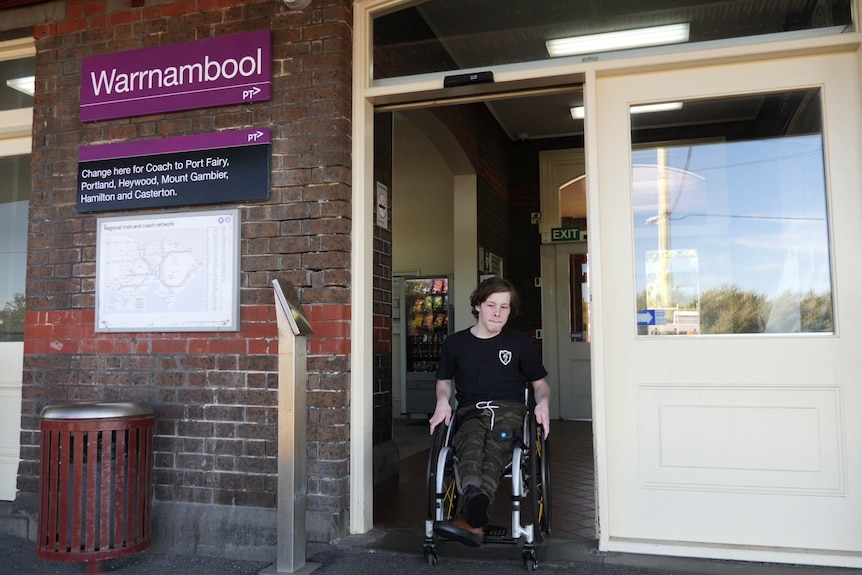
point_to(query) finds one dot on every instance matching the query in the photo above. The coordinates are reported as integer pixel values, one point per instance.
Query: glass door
(730, 227)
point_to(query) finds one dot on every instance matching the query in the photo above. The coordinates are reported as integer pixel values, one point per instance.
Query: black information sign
(183, 177)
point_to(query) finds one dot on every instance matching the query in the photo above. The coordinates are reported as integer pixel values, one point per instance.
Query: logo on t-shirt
(505, 356)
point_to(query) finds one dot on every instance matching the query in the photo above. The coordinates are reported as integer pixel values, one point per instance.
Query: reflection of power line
(783, 157)
(803, 218)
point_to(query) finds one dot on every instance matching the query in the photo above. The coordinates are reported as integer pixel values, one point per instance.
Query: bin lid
(95, 409)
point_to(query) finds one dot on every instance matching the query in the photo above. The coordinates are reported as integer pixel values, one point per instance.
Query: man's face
(494, 313)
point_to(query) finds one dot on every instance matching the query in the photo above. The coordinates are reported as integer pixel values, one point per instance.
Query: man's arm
(542, 395)
(442, 411)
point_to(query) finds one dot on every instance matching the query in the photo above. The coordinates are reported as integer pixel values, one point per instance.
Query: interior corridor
(572, 482)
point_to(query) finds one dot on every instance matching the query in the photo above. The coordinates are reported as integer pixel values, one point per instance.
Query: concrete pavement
(397, 551)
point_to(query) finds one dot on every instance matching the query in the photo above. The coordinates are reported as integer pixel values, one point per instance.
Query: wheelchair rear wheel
(441, 487)
(540, 484)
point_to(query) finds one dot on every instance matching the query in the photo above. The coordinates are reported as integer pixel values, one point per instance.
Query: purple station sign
(204, 73)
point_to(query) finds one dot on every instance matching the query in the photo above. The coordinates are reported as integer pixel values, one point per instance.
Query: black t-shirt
(497, 368)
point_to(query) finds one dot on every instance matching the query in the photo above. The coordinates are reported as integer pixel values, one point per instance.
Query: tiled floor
(572, 497)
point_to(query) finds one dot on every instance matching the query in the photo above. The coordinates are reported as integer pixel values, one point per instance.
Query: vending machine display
(427, 322)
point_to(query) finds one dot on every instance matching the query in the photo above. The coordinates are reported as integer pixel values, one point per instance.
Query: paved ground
(400, 551)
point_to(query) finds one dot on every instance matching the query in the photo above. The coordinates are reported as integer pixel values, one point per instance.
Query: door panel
(573, 345)
(11, 367)
(747, 438)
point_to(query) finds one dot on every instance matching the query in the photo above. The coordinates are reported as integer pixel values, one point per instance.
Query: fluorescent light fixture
(577, 112)
(27, 84)
(662, 107)
(622, 40)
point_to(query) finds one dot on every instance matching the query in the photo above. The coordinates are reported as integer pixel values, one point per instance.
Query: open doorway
(565, 282)
(494, 143)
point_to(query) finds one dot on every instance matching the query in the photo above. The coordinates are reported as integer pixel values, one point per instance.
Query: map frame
(193, 247)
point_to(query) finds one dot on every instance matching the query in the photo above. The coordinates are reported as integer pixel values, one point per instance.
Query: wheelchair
(529, 472)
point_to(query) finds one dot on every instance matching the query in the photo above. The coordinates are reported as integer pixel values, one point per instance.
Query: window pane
(730, 219)
(14, 196)
(443, 35)
(16, 83)
(579, 298)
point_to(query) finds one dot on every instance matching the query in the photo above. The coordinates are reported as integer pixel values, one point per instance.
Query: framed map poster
(168, 272)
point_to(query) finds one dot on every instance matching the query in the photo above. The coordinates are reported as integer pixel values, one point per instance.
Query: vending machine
(427, 322)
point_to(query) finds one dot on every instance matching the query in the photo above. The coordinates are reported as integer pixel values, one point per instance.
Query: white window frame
(16, 128)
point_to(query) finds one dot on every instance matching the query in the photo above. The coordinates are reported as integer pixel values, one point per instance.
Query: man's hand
(542, 396)
(442, 411)
(543, 417)
(442, 414)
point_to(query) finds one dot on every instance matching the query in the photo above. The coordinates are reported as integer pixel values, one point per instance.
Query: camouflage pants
(484, 452)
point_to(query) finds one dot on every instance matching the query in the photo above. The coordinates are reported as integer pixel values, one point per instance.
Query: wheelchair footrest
(498, 534)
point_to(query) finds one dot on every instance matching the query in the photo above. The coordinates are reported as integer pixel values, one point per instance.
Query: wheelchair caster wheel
(531, 562)
(430, 553)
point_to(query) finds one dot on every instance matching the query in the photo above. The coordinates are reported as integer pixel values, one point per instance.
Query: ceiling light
(609, 41)
(27, 84)
(577, 112)
(662, 107)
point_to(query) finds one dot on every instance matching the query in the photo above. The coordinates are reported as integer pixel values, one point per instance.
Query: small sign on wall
(565, 234)
(382, 206)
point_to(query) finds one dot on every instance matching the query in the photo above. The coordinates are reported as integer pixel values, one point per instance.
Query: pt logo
(505, 356)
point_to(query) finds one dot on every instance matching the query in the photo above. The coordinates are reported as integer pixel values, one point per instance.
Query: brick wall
(214, 395)
(382, 426)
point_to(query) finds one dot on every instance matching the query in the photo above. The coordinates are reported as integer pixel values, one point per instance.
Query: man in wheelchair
(490, 366)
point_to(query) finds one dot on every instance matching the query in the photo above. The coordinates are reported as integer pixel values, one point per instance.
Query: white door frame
(366, 94)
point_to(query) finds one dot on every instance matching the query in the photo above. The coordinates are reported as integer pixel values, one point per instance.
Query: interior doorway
(566, 300)
(418, 136)
(566, 346)
(429, 162)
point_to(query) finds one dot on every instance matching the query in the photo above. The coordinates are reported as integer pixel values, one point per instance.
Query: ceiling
(453, 35)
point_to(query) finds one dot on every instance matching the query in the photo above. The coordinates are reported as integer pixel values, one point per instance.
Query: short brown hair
(490, 286)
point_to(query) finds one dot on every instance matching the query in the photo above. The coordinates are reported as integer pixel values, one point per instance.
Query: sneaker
(476, 503)
(459, 530)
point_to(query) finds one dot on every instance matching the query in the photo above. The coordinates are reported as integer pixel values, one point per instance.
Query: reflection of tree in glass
(12, 319)
(817, 312)
(729, 309)
(795, 313)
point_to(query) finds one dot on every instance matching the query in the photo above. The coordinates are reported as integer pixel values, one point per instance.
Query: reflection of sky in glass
(755, 212)
(13, 249)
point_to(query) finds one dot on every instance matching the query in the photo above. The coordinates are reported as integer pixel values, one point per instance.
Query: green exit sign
(565, 234)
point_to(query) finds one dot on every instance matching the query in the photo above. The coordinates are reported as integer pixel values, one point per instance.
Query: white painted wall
(422, 207)
(422, 218)
(434, 217)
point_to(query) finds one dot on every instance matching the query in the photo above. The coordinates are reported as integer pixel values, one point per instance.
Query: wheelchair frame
(529, 471)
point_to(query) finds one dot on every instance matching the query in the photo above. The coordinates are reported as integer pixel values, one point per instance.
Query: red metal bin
(96, 481)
